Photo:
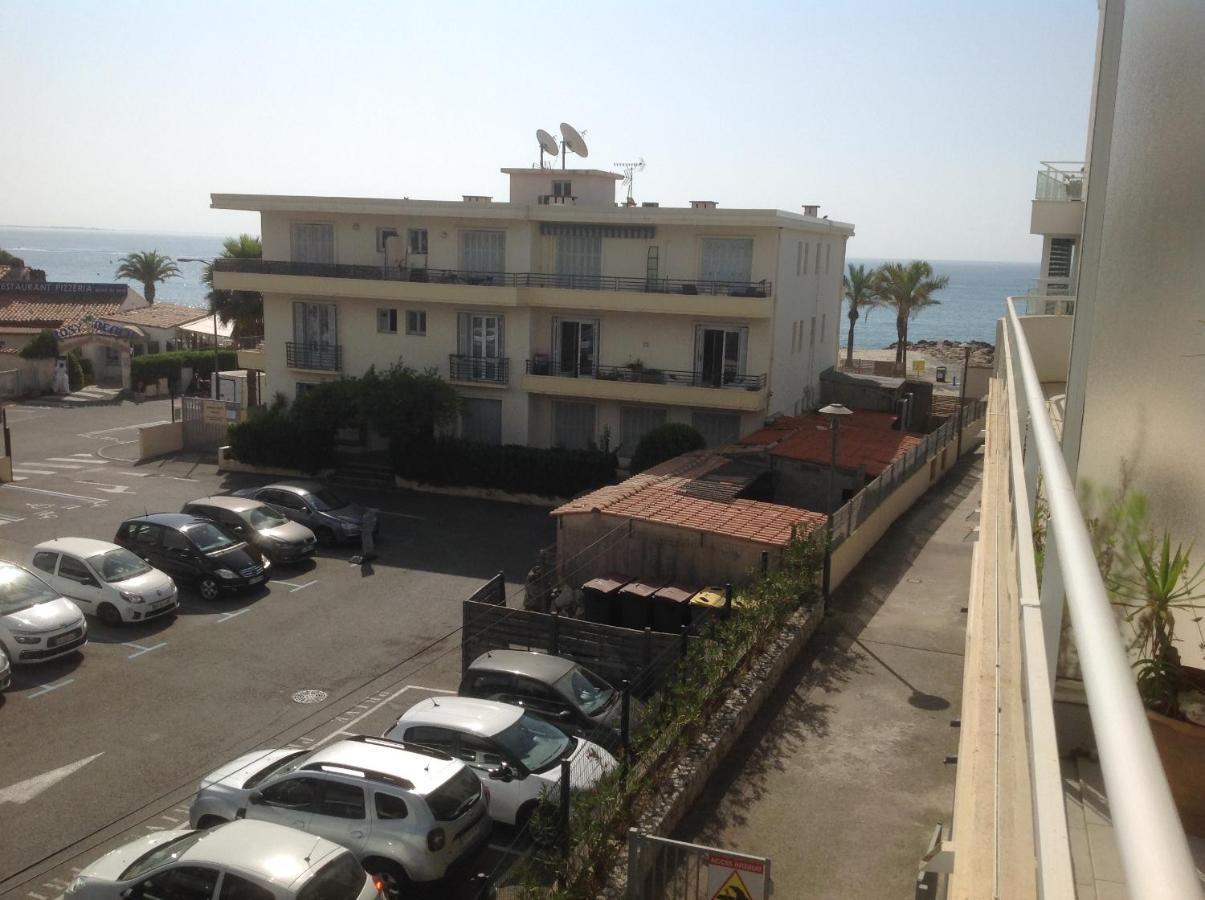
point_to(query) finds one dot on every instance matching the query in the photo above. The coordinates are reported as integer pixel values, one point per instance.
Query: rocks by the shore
(982, 353)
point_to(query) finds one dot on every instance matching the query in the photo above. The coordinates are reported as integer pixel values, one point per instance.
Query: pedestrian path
(58, 465)
(92, 395)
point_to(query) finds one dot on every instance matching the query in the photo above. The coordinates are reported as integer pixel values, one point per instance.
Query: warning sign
(734, 877)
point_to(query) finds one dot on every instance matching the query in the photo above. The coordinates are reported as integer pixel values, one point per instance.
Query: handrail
(1154, 851)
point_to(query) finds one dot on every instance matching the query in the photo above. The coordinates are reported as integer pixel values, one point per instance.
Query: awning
(205, 326)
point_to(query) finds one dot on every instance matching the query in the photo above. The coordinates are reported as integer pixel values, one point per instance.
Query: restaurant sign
(62, 287)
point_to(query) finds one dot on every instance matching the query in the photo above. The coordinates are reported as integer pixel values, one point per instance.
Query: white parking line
(95, 501)
(47, 688)
(230, 615)
(25, 471)
(294, 588)
(74, 459)
(141, 649)
(6, 519)
(55, 465)
(132, 474)
(342, 729)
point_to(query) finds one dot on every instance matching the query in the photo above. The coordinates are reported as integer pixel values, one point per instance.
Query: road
(110, 743)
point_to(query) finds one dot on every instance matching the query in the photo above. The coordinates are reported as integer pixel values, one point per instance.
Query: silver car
(36, 622)
(262, 526)
(333, 518)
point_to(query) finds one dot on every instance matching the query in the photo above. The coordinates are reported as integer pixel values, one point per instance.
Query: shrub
(512, 467)
(75, 372)
(149, 368)
(274, 437)
(87, 367)
(43, 346)
(664, 443)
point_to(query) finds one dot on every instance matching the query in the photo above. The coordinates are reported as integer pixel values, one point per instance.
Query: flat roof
(557, 172)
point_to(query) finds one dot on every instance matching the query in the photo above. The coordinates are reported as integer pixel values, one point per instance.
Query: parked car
(331, 517)
(36, 622)
(518, 753)
(557, 690)
(408, 813)
(194, 550)
(6, 670)
(260, 525)
(239, 861)
(106, 580)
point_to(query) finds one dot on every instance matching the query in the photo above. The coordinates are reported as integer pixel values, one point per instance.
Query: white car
(36, 623)
(519, 754)
(105, 580)
(239, 861)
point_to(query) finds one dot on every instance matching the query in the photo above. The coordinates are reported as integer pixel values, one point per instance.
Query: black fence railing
(489, 369)
(689, 286)
(314, 356)
(640, 374)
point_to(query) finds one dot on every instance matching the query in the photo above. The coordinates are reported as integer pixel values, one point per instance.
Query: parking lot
(107, 744)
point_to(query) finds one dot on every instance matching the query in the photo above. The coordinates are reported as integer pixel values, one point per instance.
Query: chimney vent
(477, 198)
(811, 209)
(702, 204)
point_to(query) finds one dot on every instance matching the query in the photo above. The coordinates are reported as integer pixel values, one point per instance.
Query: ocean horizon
(968, 309)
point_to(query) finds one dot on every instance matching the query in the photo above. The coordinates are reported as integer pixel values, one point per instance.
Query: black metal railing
(314, 356)
(689, 286)
(489, 369)
(641, 374)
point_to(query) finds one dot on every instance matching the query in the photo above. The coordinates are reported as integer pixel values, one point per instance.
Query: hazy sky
(921, 122)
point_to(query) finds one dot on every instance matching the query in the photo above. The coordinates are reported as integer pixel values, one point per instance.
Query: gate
(661, 869)
(205, 421)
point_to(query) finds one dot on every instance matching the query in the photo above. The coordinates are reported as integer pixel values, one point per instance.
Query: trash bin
(709, 602)
(600, 599)
(941, 374)
(636, 605)
(671, 608)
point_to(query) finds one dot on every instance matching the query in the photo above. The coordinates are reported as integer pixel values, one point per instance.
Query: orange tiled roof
(49, 314)
(865, 440)
(657, 496)
(161, 315)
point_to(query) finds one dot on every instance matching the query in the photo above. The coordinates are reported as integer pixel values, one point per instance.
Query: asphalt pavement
(109, 743)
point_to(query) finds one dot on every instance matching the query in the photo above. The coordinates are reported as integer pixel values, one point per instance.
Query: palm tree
(860, 293)
(909, 288)
(149, 267)
(244, 308)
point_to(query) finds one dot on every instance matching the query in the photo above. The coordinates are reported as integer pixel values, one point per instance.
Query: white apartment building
(563, 318)
(1057, 216)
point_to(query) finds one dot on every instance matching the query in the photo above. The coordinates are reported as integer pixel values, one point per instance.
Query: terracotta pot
(1182, 749)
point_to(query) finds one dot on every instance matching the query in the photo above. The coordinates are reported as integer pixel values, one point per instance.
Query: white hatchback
(518, 754)
(105, 580)
(36, 624)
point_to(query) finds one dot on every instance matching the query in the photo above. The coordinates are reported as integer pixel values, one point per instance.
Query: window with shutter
(634, 423)
(1061, 252)
(727, 259)
(313, 243)
(484, 251)
(572, 425)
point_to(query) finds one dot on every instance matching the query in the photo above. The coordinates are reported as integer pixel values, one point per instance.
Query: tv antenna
(547, 144)
(572, 140)
(629, 171)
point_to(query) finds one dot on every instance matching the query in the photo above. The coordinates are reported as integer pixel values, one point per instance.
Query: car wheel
(207, 822)
(326, 537)
(209, 589)
(390, 874)
(109, 615)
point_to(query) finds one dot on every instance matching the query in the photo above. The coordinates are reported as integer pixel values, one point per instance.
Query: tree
(908, 288)
(244, 308)
(860, 294)
(664, 442)
(148, 267)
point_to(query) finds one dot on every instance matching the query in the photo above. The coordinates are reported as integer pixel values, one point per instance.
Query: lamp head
(836, 409)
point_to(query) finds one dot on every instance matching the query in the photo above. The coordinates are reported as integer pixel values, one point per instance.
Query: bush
(75, 372)
(273, 437)
(513, 468)
(86, 367)
(149, 368)
(664, 443)
(43, 346)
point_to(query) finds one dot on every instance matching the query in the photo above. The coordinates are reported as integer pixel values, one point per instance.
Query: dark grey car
(257, 523)
(332, 518)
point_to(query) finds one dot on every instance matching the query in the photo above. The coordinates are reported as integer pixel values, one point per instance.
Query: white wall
(590, 189)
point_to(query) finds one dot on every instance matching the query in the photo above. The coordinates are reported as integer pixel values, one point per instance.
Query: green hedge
(513, 468)
(665, 442)
(43, 346)
(274, 438)
(149, 368)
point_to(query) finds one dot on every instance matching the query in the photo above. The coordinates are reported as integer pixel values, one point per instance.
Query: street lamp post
(213, 387)
(835, 412)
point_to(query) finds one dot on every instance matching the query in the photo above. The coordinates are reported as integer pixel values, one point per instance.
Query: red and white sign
(731, 876)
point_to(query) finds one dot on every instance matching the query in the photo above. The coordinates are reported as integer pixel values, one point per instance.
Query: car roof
(425, 770)
(222, 501)
(171, 520)
(540, 666)
(485, 717)
(297, 487)
(275, 853)
(76, 546)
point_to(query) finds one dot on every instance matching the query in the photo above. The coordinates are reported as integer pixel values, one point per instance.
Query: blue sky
(920, 122)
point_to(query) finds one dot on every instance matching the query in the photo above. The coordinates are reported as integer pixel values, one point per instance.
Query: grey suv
(331, 517)
(408, 813)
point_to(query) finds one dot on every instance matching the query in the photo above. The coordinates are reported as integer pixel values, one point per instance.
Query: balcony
(1060, 181)
(479, 369)
(675, 387)
(315, 357)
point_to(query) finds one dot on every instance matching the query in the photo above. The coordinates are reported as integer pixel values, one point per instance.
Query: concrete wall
(978, 379)
(1049, 339)
(157, 440)
(1138, 355)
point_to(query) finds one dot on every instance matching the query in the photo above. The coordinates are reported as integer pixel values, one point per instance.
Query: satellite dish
(547, 142)
(573, 140)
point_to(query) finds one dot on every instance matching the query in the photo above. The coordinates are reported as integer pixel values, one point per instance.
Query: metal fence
(641, 374)
(206, 421)
(664, 869)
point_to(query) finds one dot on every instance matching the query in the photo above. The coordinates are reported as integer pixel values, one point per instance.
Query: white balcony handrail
(1154, 851)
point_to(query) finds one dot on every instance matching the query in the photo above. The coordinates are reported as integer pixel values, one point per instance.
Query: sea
(968, 310)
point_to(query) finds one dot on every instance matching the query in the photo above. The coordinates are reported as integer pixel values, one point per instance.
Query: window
(416, 321)
(1061, 252)
(807, 254)
(481, 421)
(416, 241)
(235, 887)
(297, 794)
(287, 499)
(74, 570)
(112, 356)
(484, 251)
(727, 259)
(717, 429)
(390, 807)
(579, 256)
(455, 796)
(634, 423)
(340, 879)
(180, 883)
(302, 387)
(343, 801)
(575, 346)
(487, 685)
(480, 752)
(315, 324)
(828, 252)
(798, 258)
(45, 561)
(152, 347)
(720, 354)
(572, 425)
(144, 534)
(313, 243)
(161, 855)
(562, 189)
(387, 321)
(812, 334)
(384, 234)
(174, 541)
(429, 736)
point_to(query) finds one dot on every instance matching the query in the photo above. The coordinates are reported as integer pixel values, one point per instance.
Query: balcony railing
(487, 369)
(1154, 852)
(648, 375)
(328, 357)
(1060, 181)
(689, 286)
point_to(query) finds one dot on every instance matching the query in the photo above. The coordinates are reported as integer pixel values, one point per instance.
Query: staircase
(366, 473)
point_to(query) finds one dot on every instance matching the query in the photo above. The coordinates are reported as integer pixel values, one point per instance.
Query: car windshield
(209, 538)
(283, 765)
(118, 565)
(454, 796)
(340, 879)
(262, 517)
(161, 855)
(587, 691)
(19, 590)
(534, 742)
(325, 500)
